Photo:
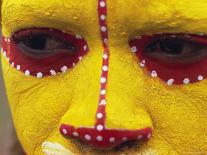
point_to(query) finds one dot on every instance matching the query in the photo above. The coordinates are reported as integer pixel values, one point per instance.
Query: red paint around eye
(177, 73)
(47, 65)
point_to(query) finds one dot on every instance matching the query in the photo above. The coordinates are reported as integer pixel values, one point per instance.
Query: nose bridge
(125, 90)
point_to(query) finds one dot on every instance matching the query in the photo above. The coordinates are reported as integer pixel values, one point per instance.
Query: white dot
(99, 115)
(124, 139)
(85, 47)
(73, 64)
(4, 53)
(105, 41)
(65, 132)
(112, 139)
(200, 78)
(103, 102)
(102, 4)
(5, 39)
(18, 67)
(100, 127)
(87, 137)
(78, 36)
(12, 64)
(39, 75)
(103, 80)
(103, 92)
(153, 73)
(186, 81)
(80, 58)
(138, 37)
(9, 40)
(139, 137)
(105, 56)
(64, 69)
(53, 72)
(149, 136)
(99, 138)
(142, 64)
(134, 49)
(143, 61)
(105, 68)
(27, 72)
(103, 28)
(170, 81)
(75, 134)
(103, 17)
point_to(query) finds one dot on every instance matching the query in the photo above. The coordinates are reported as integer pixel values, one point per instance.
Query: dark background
(9, 144)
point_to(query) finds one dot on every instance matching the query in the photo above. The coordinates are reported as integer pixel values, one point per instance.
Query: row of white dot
(170, 81)
(7, 40)
(100, 138)
(39, 74)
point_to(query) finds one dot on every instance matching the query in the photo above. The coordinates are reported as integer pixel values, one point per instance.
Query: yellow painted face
(135, 100)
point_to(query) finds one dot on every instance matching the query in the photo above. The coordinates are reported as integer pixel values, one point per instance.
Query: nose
(103, 138)
(99, 136)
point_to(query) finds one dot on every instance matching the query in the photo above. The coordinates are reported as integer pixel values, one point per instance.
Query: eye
(175, 49)
(174, 58)
(43, 51)
(42, 43)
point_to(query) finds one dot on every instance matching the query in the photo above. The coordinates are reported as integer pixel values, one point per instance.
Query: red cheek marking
(107, 138)
(171, 73)
(45, 65)
(99, 136)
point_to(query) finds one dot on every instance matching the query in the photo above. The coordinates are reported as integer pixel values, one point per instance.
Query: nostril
(105, 138)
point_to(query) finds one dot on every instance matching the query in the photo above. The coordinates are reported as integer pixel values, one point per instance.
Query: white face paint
(53, 148)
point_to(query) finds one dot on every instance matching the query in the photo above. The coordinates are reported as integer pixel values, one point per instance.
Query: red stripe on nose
(99, 136)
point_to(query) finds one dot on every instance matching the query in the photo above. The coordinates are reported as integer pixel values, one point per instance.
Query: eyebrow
(190, 17)
(172, 16)
(23, 14)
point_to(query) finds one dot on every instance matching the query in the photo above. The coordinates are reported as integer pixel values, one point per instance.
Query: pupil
(171, 46)
(37, 42)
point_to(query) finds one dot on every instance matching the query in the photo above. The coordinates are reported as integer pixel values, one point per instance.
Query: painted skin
(135, 100)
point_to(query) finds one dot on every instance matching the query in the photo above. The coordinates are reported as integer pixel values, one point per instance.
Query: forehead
(131, 15)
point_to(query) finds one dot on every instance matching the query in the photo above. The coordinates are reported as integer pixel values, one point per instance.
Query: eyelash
(49, 64)
(176, 74)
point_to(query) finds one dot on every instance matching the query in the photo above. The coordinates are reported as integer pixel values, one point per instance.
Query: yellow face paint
(177, 114)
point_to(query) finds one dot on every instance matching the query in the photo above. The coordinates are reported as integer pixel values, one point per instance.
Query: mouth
(54, 148)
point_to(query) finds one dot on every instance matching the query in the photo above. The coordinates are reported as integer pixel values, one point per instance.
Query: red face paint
(41, 64)
(177, 68)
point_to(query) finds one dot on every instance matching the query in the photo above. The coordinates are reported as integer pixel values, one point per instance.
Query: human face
(58, 102)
